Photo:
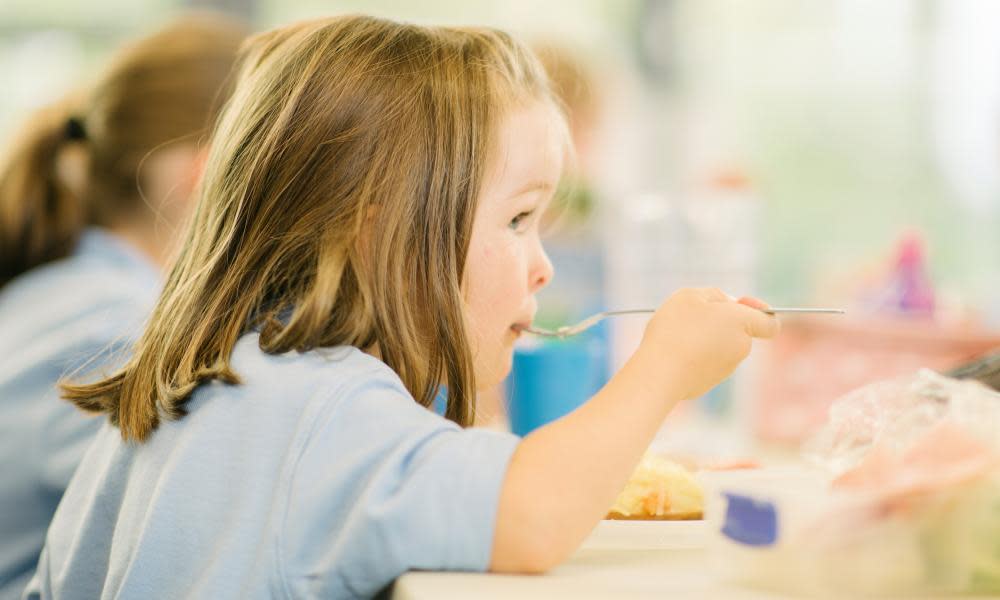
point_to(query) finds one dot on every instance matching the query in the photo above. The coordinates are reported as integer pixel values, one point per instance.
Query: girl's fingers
(763, 325)
(713, 295)
(758, 323)
(754, 302)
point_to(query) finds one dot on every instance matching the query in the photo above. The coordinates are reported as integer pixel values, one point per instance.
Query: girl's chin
(495, 374)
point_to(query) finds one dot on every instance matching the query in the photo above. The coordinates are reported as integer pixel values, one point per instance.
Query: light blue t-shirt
(72, 315)
(317, 477)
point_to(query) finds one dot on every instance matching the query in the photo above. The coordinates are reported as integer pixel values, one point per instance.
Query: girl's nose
(541, 271)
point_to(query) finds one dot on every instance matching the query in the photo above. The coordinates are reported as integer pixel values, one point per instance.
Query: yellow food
(659, 489)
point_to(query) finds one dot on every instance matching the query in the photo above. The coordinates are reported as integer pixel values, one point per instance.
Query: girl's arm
(563, 477)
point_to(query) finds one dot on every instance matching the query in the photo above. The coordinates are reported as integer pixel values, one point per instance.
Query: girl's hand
(692, 342)
(699, 336)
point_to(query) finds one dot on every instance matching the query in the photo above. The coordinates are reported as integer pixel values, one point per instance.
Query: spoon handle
(826, 311)
(771, 311)
(570, 330)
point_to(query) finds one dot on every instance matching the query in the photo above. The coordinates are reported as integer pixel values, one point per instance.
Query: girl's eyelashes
(518, 223)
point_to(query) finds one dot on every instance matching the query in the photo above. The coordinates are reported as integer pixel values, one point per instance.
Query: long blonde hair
(336, 209)
(166, 87)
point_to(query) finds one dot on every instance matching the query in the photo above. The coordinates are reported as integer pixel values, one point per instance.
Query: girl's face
(506, 263)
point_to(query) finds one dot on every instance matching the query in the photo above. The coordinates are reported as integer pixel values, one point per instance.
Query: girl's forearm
(564, 476)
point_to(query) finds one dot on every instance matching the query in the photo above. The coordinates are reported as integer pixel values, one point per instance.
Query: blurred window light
(44, 64)
(965, 100)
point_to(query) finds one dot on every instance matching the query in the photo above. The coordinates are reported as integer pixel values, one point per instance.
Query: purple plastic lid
(750, 521)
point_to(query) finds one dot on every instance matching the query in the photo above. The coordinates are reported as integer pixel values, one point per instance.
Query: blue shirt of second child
(72, 317)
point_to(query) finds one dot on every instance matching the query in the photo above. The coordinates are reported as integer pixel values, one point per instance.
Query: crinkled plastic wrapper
(910, 504)
(896, 413)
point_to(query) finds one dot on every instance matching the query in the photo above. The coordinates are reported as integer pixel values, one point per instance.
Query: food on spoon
(659, 490)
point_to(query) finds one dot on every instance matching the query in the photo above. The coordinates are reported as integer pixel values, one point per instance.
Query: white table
(630, 559)
(619, 560)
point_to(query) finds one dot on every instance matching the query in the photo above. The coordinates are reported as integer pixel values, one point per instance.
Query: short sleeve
(87, 351)
(383, 486)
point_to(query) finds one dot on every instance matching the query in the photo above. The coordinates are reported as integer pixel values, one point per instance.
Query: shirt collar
(108, 248)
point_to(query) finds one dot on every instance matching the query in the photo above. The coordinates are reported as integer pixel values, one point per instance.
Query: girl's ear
(195, 171)
(198, 166)
(171, 176)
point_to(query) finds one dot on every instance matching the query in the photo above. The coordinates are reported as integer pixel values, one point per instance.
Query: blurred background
(812, 152)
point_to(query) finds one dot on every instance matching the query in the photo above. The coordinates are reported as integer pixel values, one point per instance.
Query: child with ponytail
(92, 193)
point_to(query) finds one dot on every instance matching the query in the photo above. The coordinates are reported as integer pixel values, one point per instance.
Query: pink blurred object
(816, 360)
(732, 465)
(913, 291)
(942, 457)
(905, 288)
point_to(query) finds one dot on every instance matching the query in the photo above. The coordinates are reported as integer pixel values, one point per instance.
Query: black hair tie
(75, 130)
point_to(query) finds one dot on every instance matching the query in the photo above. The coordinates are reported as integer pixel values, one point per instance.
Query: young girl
(80, 247)
(366, 232)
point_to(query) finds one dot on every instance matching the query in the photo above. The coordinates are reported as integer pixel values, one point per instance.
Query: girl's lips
(520, 326)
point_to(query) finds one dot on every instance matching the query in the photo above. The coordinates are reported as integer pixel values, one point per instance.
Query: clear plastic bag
(909, 503)
(893, 414)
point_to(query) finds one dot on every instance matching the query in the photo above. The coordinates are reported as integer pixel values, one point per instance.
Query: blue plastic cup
(551, 378)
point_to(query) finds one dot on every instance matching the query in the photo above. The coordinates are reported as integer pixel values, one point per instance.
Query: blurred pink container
(816, 360)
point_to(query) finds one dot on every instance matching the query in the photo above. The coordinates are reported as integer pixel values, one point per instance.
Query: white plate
(645, 535)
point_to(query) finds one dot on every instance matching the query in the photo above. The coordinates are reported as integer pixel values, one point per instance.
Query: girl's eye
(518, 222)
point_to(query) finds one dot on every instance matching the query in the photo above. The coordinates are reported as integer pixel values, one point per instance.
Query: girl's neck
(154, 241)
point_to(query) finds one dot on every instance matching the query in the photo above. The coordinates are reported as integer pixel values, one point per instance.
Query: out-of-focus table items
(816, 360)
(898, 496)
(552, 377)
(897, 323)
(906, 499)
(661, 490)
(984, 369)
(620, 560)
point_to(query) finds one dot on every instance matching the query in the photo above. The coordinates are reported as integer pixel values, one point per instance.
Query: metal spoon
(584, 325)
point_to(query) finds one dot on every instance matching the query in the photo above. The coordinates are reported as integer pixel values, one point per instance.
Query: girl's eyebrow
(537, 185)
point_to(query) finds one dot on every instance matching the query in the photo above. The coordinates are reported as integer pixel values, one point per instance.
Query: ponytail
(41, 216)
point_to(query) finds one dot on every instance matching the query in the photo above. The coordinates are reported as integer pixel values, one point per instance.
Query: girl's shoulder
(290, 400)
(327, 372)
